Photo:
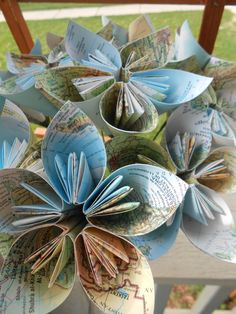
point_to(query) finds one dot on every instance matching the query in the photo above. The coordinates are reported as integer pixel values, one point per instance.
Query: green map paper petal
(122, 151)
(13, 194)
(29, 98)
(56, 83)
(159, 192)
(143, 126)
(156, 45)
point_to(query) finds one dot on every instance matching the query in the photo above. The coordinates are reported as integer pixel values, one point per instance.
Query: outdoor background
(224, 48)
(182, 296)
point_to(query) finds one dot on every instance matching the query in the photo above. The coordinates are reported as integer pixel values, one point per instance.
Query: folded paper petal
(26, 201)
(224, 73)
(57, 86)
(131, 291)
(156, 243)
(71, 131)
(112, 32)
(15, 142)
(186, 45)
(27, 97)
(156, 45)
(192, 85)
(56, 83)
(4, 75)
(158, 191)
(23, 64)
(119, 36)
(25, 292)
(80, 42)
(53, 40)
(218, 236)
(223, 128)
(122, 151)
(37, 48)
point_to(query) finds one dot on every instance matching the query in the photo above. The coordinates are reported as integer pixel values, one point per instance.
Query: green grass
(53, 6)
(225, 45)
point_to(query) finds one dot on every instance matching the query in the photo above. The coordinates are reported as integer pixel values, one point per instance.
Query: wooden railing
(211, 18)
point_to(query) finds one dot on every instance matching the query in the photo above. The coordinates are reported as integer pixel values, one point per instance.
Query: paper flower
(74, 223)
(223, 71)
(223, 126)
(27, 98)
(26, 66)
(207, 220)
(224, 74)
(17, 84)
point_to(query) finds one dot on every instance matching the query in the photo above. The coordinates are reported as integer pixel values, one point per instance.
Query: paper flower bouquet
(112, 182)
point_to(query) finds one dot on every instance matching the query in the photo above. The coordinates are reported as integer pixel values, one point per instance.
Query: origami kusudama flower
(223, 126)
(121, 91)
(206, 218)
(26, 66)
(221, 96)
(18, 83)
(75, 223)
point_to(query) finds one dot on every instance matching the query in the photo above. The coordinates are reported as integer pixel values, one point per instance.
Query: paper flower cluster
(112, 181)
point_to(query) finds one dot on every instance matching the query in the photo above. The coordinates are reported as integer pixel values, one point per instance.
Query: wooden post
(162, 292)
(210, 23)
(15, 20)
